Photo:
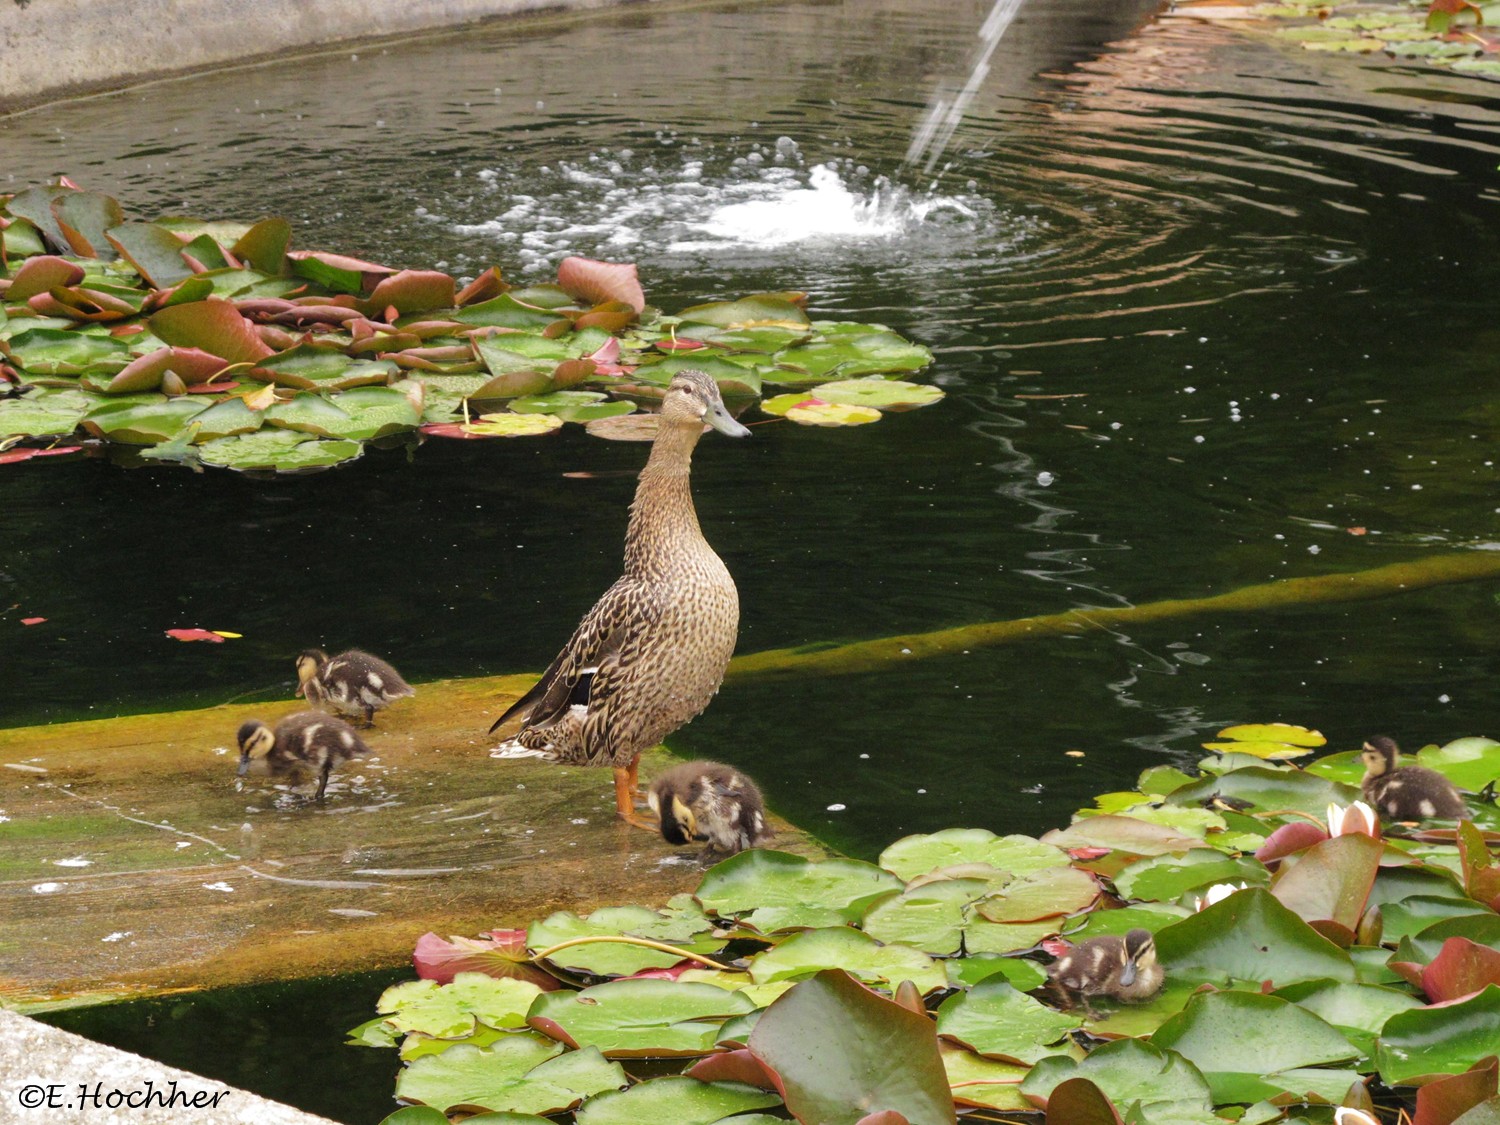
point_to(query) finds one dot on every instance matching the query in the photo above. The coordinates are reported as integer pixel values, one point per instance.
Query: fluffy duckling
(1406, 792)
(352, 683)
(709, 801)
(1120, 968)
(308, 740)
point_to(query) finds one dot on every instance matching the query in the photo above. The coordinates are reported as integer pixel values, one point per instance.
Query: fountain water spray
(947, 109)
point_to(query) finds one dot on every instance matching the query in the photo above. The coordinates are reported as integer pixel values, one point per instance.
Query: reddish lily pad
(215, 326)
(195, 635)
(598, 282)
(154, 251)
(498, 954)
(1446, 1100)
(1330, 884)
(41, 274)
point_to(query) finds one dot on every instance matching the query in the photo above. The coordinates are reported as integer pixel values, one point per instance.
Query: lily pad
(811, 413)
(774, 890)
(848, 356)
(996, 1020)
(857, 953)
(1270, 790)
(518, 1074)
(214, 326)
(1166, 878)
(279, 450)
(683, 924)
(879, 394)
(1249, 937)
(1440, 1040)
(449, 1010)
(640, 1017)
(758, 310)
(911, 856)
(1330, 883)
(1123, 834)
(674, 1098)
(321, 367)
(966, 972)
(1041, 894)
(514, 425)
(1158, 1085)
(44, 414)
(1274, 741)
(1251, 1046)
(930, 917)
(831, 1043)
(49, 351)
(136, 423)
(1470, 763)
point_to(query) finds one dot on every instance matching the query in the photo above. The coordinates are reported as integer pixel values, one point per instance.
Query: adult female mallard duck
(652, 652)
(1406, 792)
(308, 741)
(352, 683)
(709, 801)
(1120, 968)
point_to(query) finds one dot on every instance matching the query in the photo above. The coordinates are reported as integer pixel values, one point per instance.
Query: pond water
(1202, 305)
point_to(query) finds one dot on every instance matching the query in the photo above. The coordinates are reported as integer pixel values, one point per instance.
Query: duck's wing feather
(589, 662)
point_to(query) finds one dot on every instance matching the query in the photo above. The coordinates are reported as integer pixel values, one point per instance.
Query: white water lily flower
(1345, 1115)
(1358, 818)
(1218, 893)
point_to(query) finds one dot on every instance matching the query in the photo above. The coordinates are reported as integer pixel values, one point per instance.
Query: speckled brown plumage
(712, 802)
(352, 683)
(1121, 967)
(651, 653)
(309, 740)
(1406, 792)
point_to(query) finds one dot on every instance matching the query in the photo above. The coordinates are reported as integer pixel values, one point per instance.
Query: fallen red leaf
(1075, 853)
(211, 388)
(679, 344)
(1357, 530)
(599, 282)
(32, 620)
(195, 635)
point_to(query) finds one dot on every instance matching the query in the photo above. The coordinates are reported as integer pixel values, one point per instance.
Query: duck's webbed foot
(625, 792)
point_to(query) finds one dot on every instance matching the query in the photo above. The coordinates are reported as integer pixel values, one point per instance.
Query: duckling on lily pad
(709, 801)
(1406, 792)
(1116, 967)
(352, 683)
(307, 742)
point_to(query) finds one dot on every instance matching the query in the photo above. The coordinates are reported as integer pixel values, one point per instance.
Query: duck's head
(309, 660)
(678, 824)
(255, 740)
(1140, 955)
(1379, 755)
(693, 398)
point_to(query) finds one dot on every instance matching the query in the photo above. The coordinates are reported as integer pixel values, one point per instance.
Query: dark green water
(1267, 278)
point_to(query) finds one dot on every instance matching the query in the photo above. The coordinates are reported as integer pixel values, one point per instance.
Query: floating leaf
(41, 274)
(775, 890)
(1042, 894)
(497, 954)
(996, 1020)
(1448, 1039)
(1268, 740)
(879, 394)
(44, 414)
(600, 282)
(1470, 763)
(1250, 1046)
(337, 272)
(674, 1098)
(514, 425)
(682, 923)
(911, 856)
(447, 1011)
(1079, 1102)
(847, 356)
(1249, 936)
(195, 635)
(759, 310)
(1158, 1085)
(142, 423)
(154, 251)
(279, 450)
(48, 351)
(930, 918)
(832, 414)
(1446, 1100)
(1270, 790)
(639, 1018)
(1166, 878)
(1330, 884)
(520, 1073)
(264, 245)
(215, 326)
(965, 972)
(831, 1043)
(323, 367)
(1122, 833)
(844, 948)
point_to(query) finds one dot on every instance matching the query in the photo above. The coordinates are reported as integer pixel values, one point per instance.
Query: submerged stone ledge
(133, 865)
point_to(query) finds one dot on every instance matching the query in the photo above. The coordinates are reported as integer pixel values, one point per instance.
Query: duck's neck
(662, 512)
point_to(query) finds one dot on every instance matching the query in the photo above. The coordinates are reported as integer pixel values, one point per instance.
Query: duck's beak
(244, 768)
(1127, 974)
(719, 418)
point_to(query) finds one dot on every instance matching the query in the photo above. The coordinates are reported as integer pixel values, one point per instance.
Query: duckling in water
(1120, 968)
(307, 741)
(352, 683)
(709, 801)
(1406, 792)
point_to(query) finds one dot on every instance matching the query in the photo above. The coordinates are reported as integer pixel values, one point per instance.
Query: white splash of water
(947, 107)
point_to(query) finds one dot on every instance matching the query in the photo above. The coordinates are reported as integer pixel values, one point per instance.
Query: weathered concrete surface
(54, 1077)
(50, 48)
(132, 861)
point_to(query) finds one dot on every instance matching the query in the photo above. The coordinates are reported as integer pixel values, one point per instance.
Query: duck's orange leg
(625, 798)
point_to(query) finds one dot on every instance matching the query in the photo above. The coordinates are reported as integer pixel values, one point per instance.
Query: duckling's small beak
(719, 418)
(244, 768)
(1127, 974)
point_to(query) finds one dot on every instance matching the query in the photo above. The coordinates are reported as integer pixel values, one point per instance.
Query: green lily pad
(1158, 1085)
(517, 1074)
(558, 402)
(136, 423)
(1251, 1046)
(735, 380)
(1123, 834)
(49, 351)
(766, 338)
(757, 310)
(153, 250)
(1346, 768)
(1424, 946)
(1413, 915)
(320, 367)
(996, 1020)
(225, 419)
(1270, 790)
(682, 923)
(1470, 763)
(846, 357)
(911, 856)
(1250, 937)
(376, 411)
(773, 890)
(1141, 1019)
(978, 1081)
(283, 451)
(639, 1017)
(966, 972)
(844, 948)
(1275, 741)
(505, 311)
(44, 413)
(449, 1010)
(984, 936)
(514, 425)
(831, 1042)
(1440, 1040)
(930, 917)
(1350, 1007)
(1167, 878)
(880, 394)
(1119, 922)
(674, 1098)
(1041, 894)
(809, 413)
